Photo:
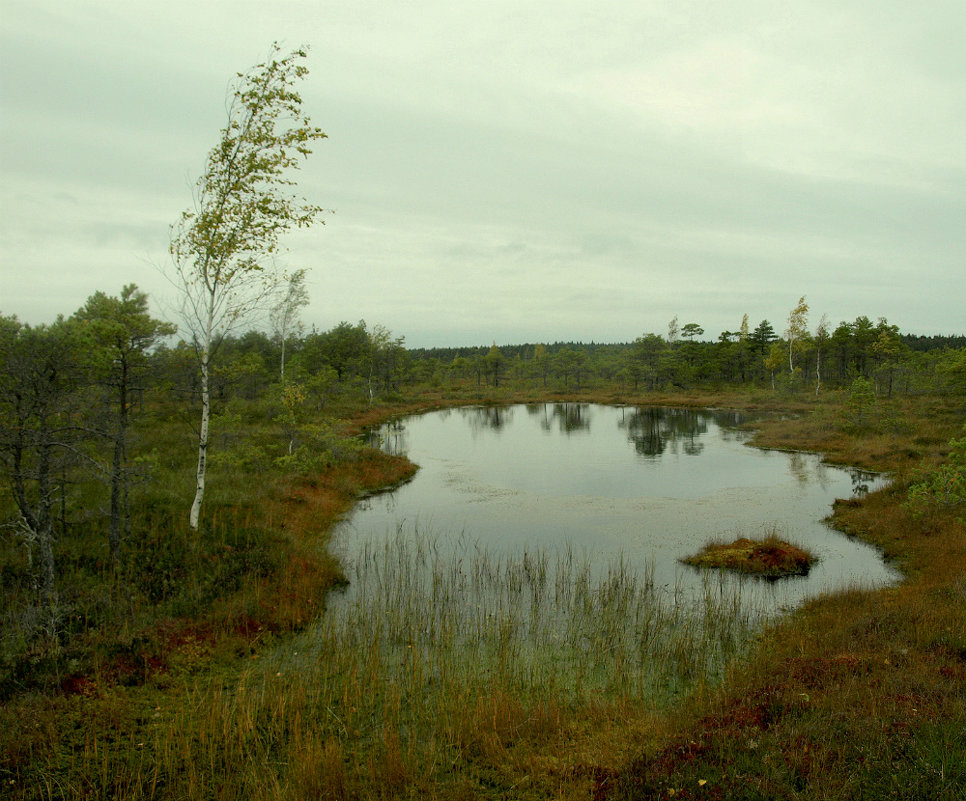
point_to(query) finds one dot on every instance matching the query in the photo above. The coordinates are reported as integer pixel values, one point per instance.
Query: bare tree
(222, 248)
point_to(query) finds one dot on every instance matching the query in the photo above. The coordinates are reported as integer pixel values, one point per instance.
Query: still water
(646, 486)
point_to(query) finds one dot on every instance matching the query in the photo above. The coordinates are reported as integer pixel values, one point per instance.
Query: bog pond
(638, 487)
(536, 552)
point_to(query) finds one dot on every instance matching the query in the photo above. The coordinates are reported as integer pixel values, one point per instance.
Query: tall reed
(444, 657)
(441, 669)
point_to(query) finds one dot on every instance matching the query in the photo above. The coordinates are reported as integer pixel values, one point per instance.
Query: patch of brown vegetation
(770, 558)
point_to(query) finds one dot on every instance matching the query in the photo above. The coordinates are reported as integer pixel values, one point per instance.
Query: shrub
(861, 403)
(943, 487)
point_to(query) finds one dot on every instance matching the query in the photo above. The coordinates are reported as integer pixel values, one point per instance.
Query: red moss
(79, 685)
(771, 557)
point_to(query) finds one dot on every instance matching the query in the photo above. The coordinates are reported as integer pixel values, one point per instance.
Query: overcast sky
(512, 171)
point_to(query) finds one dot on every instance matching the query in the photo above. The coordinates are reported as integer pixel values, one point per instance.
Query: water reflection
(863, 482)
(560, 475)
(391, 437)
(572, 417)
(653, 430)
(491, 418)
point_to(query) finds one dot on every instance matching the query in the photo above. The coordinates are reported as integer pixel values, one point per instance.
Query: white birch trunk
(202, 444)
(205, 359)
(818, 370)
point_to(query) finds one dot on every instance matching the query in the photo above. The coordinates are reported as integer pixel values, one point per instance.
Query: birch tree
(673, 329)
(821, 340)
(797, 328)
(222, 248)
(285, 313)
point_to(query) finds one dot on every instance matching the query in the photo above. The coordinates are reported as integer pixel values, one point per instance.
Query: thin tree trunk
(202, 444)
(205, 363)
(818, 370)
(44, 531)
(114, 534)
(48, 587)
(117, 471)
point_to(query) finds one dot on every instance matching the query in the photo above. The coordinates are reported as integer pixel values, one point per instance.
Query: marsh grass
(539, 617)
(443, 665)
(441, 672)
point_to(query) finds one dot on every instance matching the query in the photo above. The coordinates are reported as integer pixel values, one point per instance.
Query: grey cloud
(500, 172)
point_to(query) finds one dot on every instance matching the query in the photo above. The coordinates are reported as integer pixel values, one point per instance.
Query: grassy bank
(81, 702)
(562, 686)
(859, 695)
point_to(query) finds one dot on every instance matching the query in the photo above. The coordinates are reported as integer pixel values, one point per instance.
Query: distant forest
(360, 360)
(915, 342)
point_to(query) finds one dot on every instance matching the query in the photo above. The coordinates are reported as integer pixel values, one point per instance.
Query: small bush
(943, 487)
(861, 405)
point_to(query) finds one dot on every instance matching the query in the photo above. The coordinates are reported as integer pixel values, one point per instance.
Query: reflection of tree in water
(798, 464)
(391, 437)
(572, 417)
(569, 417)
(653, 430)
(861, 481)
(691, 446)
(494, 418)
(729, 422)
(807, 468)
(542, 412)
(728, 418)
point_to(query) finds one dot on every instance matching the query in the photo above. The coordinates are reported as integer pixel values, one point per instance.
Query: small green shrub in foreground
(943, 487)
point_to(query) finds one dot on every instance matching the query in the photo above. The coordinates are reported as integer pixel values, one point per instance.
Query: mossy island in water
(770, 558)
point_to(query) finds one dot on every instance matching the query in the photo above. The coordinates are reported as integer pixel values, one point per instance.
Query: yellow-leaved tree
(223, 247)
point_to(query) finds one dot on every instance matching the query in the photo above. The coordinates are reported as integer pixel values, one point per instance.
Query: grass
(860, 694)
(770, 557)
(441, 674)
(457, 671)
(212, 672)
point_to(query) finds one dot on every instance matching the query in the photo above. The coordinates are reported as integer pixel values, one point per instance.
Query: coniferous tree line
(826, 357)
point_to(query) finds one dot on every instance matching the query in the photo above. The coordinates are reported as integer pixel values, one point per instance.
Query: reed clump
(442, 670)
(476, 660)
